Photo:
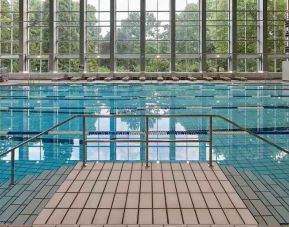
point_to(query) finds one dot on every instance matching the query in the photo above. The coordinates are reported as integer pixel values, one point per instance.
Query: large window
(187, 35)
(113, 33)
(247, 27)
(9, 34)
(218, 34)
(68, 35)
(38, 45)
(127, 46)
(157, 35)
(98, 35)
(276, 34)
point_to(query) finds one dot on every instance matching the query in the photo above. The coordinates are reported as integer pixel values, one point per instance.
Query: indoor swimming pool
(28, 110)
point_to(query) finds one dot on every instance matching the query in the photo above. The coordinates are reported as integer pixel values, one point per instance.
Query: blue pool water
(28, 110)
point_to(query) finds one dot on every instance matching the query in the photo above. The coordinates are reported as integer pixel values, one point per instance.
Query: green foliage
(128, 36)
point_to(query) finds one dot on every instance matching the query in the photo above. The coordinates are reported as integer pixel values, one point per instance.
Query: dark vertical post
(112, 35)
(211, 141)
(142, 35)
(147, 140)
(82, 38)
(52, 36)
(173, 35)
(233, 36)
(23, 45)
(83, 142)
(203, 35)
(12, 167)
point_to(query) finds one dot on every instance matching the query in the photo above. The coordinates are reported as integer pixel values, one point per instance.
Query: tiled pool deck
(131, 194)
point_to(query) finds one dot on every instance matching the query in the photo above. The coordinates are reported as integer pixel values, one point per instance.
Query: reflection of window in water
(36, 151)
(8, 156)
(160, 151)
(127, 151)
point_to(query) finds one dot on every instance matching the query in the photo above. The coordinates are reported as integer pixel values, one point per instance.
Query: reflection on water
(26, 111)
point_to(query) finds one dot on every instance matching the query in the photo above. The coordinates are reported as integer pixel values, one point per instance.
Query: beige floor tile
(125, 175)
(189, 216)
(101, 216)
(205, 186)
(193, 186)
(43, 217)
(75, 186)
(57, 216)
(145, 217)
(158, 186)
(122, 187)
(146, 175)
(157, 175)
(233, 217)
(172, 200)
(224, 200)
(178, 175)
(114, 175)
(175, 217)
(146, 186)
(198, 200)
(219, 217)
(134, 186)
(119, 201)
(211, 200)
(67, 200)
(93, 175)
(54, 201)
(168, 175)
(236, 200)
(189, 175)
(116, 216)
(181, 186)
(160, 216)
(159, 200)
(204, 217)
(87, 186)
(80, 200)
(132, 200)
(99, 186)
(111, 186)
(71, 216)
(106, 200)
(86, 217)
(130, 216)
(169, 186)
(185, 200)
(247, 217)
(145, 200)
(93, 201)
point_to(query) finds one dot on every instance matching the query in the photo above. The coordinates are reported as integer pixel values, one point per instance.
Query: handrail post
(12, 167)
(147, 139)
(211, 141)
(83, 141)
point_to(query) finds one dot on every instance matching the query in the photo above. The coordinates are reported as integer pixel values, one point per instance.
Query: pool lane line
(146, 108)
(129, 97)
(266, 130)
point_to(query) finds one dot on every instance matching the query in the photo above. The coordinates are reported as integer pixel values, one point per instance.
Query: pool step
(265, 196)
(22, 202)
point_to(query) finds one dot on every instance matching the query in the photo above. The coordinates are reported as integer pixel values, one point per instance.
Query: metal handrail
(146, 132)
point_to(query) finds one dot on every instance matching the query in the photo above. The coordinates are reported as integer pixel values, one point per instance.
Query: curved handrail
(139, 115)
